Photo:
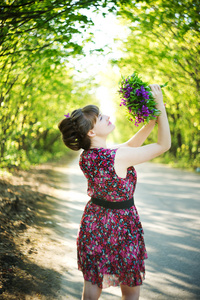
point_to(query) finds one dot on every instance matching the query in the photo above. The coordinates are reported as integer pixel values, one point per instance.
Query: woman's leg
(130, 293)
(90, 291)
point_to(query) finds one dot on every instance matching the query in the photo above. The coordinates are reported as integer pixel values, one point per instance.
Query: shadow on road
(168, 202)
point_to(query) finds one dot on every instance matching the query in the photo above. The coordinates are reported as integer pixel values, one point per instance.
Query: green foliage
(163, 45)
(36, 86)
(29, 120)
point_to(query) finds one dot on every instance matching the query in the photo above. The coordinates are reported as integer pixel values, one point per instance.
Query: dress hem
(103, 285)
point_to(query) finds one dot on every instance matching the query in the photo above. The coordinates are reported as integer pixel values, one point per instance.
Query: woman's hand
(157, 94)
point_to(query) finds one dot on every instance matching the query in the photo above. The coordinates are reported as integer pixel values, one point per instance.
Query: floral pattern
(110, 244)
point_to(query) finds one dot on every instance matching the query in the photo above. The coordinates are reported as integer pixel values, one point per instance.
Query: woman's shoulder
(110, 151)
(94, 153)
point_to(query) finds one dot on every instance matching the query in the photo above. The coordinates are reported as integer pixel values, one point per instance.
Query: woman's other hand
(157, 94)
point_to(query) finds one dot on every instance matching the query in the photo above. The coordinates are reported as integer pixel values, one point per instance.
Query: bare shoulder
(131, 156)
(122, 151)
(123, 155)
(121, 163)
(120, 145)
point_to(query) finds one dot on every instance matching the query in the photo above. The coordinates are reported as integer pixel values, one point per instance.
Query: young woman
(110, 244)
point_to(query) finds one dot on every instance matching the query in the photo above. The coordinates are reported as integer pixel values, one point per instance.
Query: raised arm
(130, 156)
(138, 139)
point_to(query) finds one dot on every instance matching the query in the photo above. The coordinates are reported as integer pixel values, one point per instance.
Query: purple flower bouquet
(137, 97)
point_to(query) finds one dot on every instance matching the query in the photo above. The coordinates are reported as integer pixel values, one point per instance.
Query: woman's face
(103, 126)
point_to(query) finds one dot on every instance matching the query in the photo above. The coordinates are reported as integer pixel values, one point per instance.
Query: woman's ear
(91, 133)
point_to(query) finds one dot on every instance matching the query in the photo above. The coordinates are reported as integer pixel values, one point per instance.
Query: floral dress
(110, 244)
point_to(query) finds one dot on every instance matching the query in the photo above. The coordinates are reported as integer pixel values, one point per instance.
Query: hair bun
(74, 128)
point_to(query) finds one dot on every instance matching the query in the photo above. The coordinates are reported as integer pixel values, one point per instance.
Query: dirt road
(168, 202)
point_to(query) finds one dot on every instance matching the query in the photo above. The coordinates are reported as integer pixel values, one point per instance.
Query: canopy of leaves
(164, 46)
(36, 87)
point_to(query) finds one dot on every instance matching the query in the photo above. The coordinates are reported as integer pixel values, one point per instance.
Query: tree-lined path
(168, 201)
(56, 56)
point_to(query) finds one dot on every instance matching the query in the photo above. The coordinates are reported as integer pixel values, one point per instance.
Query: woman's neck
(98, 143)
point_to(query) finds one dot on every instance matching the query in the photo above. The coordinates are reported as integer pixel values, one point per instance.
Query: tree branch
(16, 6)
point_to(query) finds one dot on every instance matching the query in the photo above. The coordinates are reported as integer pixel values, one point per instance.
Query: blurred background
(56, 56)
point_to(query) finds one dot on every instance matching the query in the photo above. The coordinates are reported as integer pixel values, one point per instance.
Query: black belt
(113, 205)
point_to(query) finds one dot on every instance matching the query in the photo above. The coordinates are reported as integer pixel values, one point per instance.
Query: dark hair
(75, 128)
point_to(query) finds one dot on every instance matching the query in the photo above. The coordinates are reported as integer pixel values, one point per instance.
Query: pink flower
(67, 116)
